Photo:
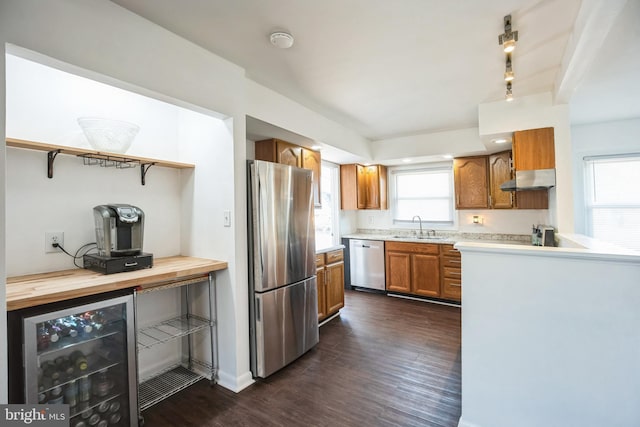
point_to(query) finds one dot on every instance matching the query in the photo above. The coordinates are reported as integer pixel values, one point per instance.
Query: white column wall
(549, 338)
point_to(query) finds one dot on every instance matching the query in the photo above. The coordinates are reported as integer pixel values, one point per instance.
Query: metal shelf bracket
(51, 156)
(144, 168)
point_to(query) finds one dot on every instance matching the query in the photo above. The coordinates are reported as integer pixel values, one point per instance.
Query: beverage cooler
(82, 355)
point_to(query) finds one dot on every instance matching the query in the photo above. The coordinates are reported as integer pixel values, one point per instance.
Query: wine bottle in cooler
(44, 338)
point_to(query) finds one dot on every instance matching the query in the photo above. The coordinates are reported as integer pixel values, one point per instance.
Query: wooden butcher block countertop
(44, 288)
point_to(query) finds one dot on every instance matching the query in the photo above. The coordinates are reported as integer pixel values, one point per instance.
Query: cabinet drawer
(420, 248)
(450, 251)
(451, 288)
(334, 256)
(452, 272)
(319, 260)
(451, 262)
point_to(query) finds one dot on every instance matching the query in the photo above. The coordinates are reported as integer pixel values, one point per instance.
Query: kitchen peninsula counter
(37, 289)
(541, 326)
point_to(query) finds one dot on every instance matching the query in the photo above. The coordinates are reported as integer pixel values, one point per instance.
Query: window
(326, 217)
(426, 192)
(613, 199)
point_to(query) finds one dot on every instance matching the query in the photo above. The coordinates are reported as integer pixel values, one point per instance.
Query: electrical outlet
(51, 237)
(370, 220)
(227, 218)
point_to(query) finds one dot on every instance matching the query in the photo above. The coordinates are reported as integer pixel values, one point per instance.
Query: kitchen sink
(409, 237)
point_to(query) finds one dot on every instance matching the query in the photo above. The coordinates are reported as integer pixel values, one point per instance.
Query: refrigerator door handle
(258, 310)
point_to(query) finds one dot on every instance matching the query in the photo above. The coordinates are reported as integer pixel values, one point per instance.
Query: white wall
(455, 142)
(42, 105)
(102, 41)
(532, 112)
(271, 107)
(549, 338)
(616, 137)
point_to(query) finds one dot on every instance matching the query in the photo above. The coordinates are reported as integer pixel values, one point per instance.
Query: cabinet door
(322, 298)
(288, 154)
(372, 188)
(348, 187)
(398, 272)
(471, 182)
(425, 275)
(499, 173)
(533, 149)
(311, 160)
(375, 187)
(361, 186)
(335, 287)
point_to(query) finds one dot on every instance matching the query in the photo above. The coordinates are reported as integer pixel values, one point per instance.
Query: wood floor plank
(384, 362)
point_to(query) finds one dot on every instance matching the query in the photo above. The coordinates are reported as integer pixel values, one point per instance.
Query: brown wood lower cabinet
(451, 267)
(330, 280)
(413, 268)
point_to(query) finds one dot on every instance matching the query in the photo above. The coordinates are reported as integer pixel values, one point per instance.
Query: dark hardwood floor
(384, 362)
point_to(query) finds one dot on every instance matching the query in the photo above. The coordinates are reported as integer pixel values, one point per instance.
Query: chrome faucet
(420, 220)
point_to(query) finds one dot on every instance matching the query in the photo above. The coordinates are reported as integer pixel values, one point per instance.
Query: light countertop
(329, 249)
(442, 237)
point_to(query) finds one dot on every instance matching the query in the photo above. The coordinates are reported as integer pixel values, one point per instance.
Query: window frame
(335, 191)
(395, 171)
(589, 203)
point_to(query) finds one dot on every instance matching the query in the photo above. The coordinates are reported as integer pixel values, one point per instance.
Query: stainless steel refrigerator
(283, 298)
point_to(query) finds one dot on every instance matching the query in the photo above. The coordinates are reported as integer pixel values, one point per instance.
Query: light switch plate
(227, 218)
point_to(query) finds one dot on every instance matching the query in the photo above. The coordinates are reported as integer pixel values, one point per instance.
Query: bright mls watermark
(34, 415)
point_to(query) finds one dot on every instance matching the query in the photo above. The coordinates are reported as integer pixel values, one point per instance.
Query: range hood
(539, 179)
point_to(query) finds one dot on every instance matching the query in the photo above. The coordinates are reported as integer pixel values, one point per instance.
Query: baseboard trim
(424, 300)
(463, 423)
(328, 319)
(233, 383)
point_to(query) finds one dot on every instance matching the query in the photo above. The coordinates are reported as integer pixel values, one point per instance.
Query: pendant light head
(509, 95)
(508, 72)
(509, 38)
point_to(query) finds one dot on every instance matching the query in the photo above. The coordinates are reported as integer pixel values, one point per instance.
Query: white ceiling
(388, 69)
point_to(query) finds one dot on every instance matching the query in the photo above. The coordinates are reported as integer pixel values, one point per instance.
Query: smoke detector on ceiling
(281, 40)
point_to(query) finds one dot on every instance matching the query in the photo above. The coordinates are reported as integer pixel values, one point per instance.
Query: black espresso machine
(119, 236)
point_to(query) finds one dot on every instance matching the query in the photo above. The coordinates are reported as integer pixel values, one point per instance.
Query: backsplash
(450, 235)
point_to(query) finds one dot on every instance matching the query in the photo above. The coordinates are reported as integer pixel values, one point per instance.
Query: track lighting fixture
(508, 41)
(509, 38)
(508, 71)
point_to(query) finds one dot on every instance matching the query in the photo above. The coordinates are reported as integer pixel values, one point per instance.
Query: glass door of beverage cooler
(84, 357)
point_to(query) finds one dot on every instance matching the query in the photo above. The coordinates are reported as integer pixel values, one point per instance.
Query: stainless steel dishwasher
(367, 263)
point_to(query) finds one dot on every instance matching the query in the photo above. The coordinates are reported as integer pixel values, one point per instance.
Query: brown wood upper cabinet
(283, 152)
(499, 172)
(470, 176)
(534, 149)
(363, 187)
